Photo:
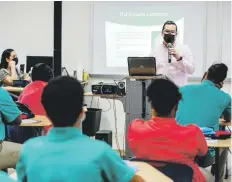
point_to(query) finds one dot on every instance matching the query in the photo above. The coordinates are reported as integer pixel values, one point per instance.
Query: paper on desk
(211, 141)
(134, 167)
(28, 121)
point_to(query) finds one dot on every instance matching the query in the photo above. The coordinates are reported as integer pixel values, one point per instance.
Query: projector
(105, 88)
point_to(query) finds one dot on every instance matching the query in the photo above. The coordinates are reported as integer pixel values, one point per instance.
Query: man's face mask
(169, 38)
(16, 60)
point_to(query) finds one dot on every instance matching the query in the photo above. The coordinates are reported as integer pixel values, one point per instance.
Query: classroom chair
(177, 172)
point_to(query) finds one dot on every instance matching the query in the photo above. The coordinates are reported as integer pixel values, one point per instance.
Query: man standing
(182, 61)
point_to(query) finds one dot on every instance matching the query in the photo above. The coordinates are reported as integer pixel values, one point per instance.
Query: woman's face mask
(16, 60)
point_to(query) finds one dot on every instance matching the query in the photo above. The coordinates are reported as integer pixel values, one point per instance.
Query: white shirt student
(182, 61)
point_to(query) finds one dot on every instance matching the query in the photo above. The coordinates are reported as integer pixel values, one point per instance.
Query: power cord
(91, 102)
(116, 127)
(109, 107)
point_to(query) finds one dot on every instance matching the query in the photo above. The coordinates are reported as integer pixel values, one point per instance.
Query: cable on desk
(91, 102)
(116, 128)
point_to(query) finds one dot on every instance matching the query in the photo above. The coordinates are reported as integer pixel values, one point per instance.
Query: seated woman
(8, 70)
(162, 138)
(31, 96)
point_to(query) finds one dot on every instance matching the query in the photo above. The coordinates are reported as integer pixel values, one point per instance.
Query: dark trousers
(20, 134)
(208, 160)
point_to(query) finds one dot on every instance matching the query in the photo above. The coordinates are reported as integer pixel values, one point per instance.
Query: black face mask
(16, 60)
(169, 38)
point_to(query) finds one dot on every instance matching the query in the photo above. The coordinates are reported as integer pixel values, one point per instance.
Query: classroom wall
(27, 27)
(29, 30)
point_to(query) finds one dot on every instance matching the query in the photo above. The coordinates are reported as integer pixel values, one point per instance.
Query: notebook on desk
(29, 121)
(134, 167)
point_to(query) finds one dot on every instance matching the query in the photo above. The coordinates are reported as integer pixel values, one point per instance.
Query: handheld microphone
(169, 45)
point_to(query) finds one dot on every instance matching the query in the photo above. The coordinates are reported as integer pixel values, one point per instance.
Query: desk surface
(149, 173)
(42, 121)
(13, 89)
(103, 95)
(20, 89)
(146, 171)
(219, 143)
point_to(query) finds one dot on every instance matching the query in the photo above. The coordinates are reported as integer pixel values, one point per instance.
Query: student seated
(5, 178)
(65, 154)
(8, 70)
(10, 115)
(31, 95)
(162, 138)
(204, 103)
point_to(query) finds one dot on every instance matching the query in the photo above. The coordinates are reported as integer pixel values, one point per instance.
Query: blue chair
(177, 172)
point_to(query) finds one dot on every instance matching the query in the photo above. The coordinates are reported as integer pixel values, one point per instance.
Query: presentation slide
(125, 29)
(132, 40)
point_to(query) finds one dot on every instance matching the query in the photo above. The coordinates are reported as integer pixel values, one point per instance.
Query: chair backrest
(177, 172)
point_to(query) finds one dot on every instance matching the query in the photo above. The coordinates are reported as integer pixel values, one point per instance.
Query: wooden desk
(43, 121)
(146, 77)
(149, 173)
(146, 171)
(103, 95)
(13, 89)
(219, 145)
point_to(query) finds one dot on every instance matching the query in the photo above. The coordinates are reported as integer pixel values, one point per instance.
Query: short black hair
(169, 22)
(217, 73)
(62, 99)
(163, 95)
(42, 72)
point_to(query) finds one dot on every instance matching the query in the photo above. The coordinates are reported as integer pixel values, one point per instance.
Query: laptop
(141, 66)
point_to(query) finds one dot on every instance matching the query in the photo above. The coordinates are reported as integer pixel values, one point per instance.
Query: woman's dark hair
(5, 54)
(163, 95)
(42, 72)
(169, 23)
(217, 73)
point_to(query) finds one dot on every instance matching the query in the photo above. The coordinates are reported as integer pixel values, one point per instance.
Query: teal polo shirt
(8, 111)
(5, 178)
(203, 104)
(65, 154)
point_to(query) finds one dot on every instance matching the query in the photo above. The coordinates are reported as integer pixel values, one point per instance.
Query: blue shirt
(203, 104)
(65, 154)
(8, 111)
(5, 178)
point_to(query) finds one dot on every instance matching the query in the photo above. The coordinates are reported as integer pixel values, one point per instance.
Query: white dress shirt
(177, 71)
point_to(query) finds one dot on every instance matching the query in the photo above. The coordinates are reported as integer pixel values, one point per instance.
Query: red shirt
(162, 139)
(31, 96)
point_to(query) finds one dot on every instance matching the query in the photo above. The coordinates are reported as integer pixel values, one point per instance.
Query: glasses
(173, 32)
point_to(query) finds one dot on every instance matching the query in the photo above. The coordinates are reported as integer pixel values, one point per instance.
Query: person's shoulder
(192, 128)
(189, 87)
(97, 145)
(225, 96)
(181, 45)
(136, 123)
(4, 93)
(4, 70)
(157, 47)
(189, 130)
(34, 143)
